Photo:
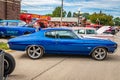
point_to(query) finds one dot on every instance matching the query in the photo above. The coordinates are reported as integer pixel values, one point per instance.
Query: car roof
(75, 28)
(58, 28)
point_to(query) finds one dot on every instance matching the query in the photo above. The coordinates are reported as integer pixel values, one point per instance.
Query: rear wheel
(35, 52)
(99, 54)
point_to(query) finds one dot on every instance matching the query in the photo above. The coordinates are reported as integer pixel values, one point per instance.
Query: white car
(92, 32)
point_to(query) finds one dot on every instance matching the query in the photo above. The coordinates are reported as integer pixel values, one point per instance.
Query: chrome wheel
(99, 53)
(35, 52)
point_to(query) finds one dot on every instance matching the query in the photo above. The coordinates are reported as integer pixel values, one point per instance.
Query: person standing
(37, 26)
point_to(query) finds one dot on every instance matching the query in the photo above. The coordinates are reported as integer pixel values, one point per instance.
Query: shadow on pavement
(52, 56)
(19, 76)
(112, 58)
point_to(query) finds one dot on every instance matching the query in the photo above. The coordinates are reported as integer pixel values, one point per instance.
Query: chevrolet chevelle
(61, 41)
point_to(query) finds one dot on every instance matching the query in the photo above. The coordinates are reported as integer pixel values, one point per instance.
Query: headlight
(115, 45)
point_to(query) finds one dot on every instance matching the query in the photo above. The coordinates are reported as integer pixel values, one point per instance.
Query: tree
(101, 18)
(86, 15)
(57, 12)
(116, 21)
(69, 14)
(75, 14)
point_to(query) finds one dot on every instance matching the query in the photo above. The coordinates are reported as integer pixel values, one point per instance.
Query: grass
(3, 46)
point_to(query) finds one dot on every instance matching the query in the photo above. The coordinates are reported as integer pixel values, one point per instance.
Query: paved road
(66, 67)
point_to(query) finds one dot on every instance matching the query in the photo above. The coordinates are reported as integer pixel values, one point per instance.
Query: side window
(50, 34)
(81, 31)
(90, 31)
(12, 23)
(66, 35)
(2, 23)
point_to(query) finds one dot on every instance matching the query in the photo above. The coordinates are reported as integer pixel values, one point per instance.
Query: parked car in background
(61, 41)
(14, 28)
(112, 30)
(92, 32)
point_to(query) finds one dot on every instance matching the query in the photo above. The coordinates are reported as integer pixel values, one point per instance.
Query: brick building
(10, 9)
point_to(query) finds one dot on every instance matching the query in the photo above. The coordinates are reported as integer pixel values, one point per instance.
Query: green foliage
(57, 12)
(49, 15)
(75, 14)
(3, 46)
(116, 21)
(101, 18)
(69, 14)
(86, 15)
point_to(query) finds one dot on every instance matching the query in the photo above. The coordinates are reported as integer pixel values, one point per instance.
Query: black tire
(9, 64)
(35, 52)
(99, 54)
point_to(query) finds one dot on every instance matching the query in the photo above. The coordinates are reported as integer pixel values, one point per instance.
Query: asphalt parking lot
(66, 67)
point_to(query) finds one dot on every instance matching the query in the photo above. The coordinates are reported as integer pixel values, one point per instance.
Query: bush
(3, 46)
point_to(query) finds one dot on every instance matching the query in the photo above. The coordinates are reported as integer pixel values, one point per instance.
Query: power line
(28, 5)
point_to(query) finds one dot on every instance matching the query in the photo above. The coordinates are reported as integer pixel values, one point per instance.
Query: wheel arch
(98, 47)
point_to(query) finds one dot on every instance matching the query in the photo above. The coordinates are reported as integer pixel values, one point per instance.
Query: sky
(43, 7)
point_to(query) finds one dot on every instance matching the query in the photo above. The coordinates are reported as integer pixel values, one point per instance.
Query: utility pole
(61, 12)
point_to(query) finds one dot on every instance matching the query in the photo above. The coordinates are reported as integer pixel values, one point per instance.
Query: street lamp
(61, 12)
(79, 18)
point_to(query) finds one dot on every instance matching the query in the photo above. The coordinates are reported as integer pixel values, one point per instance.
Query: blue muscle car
(14, 28)
(61, 41)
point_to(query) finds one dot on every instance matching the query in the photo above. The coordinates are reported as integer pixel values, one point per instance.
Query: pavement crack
(48, 69)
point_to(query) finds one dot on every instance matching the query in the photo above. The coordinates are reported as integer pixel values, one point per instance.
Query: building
(56, 21)
(10, 9)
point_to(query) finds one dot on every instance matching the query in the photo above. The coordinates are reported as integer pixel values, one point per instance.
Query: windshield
(21, 23)
(76, 33)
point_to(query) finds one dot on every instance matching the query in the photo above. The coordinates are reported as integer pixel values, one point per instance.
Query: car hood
(102, 29)
(92, 37)
(96, 40)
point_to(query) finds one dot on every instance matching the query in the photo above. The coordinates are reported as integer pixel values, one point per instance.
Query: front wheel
(9, 64)
(35, 52)
(99, 54)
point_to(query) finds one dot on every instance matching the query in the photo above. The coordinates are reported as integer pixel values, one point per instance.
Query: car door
(11, 29)
(50, 42)
(68, 42)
